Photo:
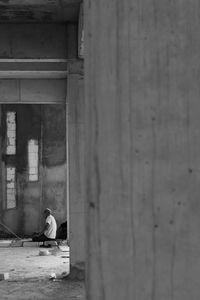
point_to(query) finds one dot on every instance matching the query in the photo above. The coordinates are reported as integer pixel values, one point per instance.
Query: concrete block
(4, 276)
(52, 243)
(44, 253)
(64, 248)
(30, 244)
(16, 243)
(5, 243)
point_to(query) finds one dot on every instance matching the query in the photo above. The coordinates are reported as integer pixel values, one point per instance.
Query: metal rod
(10, 230)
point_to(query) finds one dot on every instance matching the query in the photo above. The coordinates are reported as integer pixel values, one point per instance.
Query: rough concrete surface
(34, 289)
(142, 140)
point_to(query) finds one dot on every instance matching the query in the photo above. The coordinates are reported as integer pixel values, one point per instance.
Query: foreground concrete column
(76, 133)
(143, 149)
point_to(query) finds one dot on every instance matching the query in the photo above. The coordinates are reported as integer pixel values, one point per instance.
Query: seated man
(49, 231)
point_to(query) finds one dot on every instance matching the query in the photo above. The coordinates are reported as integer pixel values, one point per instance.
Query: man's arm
(46, 227)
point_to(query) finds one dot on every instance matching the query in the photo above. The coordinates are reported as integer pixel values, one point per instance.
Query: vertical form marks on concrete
(142, 100)
(107, 155)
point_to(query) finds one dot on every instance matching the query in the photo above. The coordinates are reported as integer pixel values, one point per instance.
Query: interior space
(33, 177)
(41, 142)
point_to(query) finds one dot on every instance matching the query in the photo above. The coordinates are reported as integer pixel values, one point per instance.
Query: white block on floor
(52, 243)
(16, 243)
(5, 243)
(64, 248)
(30, 244)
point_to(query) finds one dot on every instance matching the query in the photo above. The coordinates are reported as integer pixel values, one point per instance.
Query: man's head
(47, 212)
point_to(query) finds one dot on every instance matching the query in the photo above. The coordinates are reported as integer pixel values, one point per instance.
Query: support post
(76, 158)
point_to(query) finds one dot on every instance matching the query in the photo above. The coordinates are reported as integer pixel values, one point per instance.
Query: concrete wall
(54, 160)
(38, 41)
(42, 11)
(143, 146)
(47, 124)
(33, 90)
(33, 41)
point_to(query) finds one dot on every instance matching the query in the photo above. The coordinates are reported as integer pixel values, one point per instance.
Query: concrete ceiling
(40, 11)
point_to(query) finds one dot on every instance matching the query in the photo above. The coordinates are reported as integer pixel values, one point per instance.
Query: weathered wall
(54, 160)
(24, 219)
(33, 41)
(47, 124)
(38, 41)
(44, 41)
(42, 11)
(142, 98)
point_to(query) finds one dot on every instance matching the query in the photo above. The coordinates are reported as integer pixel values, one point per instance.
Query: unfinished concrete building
(41, 116)
(129, 149)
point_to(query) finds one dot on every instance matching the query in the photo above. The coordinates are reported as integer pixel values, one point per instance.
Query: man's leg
(39, 238)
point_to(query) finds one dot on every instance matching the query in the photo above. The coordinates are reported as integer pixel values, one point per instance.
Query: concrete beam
(14, 74)
(32, 90)
(33, 60)
(38, 3)
(39, 11)
(33, 68)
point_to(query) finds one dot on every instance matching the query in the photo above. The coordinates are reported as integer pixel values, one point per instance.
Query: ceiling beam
(31, 74)
(33, 60)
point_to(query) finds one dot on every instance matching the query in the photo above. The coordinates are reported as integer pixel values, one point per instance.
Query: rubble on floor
(31, 276)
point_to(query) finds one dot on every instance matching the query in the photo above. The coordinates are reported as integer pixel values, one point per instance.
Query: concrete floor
(29, 274)
(25, 262)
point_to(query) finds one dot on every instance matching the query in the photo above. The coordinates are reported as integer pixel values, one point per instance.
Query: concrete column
(76, 132)
(142, 149)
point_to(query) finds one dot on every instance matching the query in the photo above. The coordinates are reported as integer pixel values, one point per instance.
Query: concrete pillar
(142, 149)
(76, 134)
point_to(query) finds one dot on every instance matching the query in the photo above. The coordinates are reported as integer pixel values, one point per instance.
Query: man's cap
(47, 210)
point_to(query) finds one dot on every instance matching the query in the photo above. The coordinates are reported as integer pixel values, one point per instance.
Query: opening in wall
(33, 160)
(11, 133)
(10, 187)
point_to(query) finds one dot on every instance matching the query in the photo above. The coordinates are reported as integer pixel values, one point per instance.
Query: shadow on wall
(62, 232)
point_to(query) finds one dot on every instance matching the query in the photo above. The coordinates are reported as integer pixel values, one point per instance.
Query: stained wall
(47, 125)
